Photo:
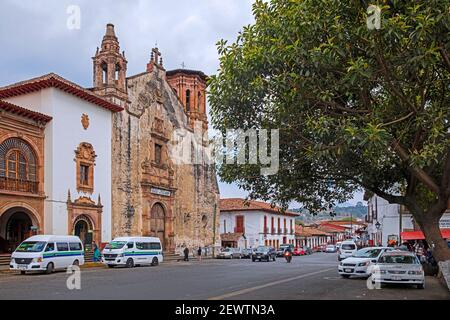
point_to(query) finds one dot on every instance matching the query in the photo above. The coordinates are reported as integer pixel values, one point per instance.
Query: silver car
(399, 267)
(230, 253)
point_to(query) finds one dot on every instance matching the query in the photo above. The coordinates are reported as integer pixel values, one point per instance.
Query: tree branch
(421, 175)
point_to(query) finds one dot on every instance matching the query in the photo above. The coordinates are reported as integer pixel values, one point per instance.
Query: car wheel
(130, 263)
(22, 272)
(254, 260)
(50, 268)
(155, 262)
(421, 286)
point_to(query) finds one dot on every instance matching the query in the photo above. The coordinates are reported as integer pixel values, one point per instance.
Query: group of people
(199, 251)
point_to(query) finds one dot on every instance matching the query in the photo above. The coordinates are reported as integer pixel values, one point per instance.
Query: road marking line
(270, 284)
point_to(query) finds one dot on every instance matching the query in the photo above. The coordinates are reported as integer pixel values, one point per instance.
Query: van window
(148, 245)
(50, 247)
(62, 246)
(75, 246)
(130, 245)
(348, 246)
(31, 246)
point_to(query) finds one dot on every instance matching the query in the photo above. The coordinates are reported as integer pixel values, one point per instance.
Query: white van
(133, 251)
(47, 253)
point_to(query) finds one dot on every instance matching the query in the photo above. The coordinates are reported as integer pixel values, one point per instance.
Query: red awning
(418, 235)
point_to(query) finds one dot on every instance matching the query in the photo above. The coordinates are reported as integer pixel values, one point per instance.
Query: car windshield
(367, 253)
(115, 245)
(330, 247)
(401, 259)
(227, 250)
(348, 246)
(262, 249)
(31, 246)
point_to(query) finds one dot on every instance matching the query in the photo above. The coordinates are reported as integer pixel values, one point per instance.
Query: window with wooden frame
(85, 162)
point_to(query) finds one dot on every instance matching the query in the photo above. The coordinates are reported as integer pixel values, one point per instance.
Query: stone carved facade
(152, 195)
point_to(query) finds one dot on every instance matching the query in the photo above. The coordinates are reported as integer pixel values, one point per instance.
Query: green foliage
(341, 95)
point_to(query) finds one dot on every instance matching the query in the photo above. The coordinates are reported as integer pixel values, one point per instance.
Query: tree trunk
(430, 228)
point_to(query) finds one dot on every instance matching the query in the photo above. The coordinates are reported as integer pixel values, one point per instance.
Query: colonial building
(97, 162)
(153, 195)
(248, 224)
(55, 161)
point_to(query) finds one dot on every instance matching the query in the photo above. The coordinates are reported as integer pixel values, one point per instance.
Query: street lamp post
(378, 226)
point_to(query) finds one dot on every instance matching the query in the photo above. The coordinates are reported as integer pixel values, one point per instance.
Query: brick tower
(190, 86)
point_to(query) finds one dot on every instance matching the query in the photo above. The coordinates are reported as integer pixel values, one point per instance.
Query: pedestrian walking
(199, 253)
(419, 251)
(97, 254)
(186, 254)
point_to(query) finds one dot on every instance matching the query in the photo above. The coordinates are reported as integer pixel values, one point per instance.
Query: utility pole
(400, 224)
(214, 230)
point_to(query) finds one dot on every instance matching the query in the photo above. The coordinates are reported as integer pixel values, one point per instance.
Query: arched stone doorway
(83, 228)
(16, 225)
(158, 223)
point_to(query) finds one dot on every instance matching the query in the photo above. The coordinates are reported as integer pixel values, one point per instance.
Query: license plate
(22, 267)
(348, 270)
(396, 278)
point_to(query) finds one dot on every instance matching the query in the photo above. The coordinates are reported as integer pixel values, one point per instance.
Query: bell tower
(190, 86)
(110, 68)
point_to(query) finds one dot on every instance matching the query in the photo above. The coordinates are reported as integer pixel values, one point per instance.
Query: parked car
(280, 253)
(331, 248)
(347, 249)
(399, 267)
(298, 251)
(247, 253)
(230, 253)
(264, 253)
(308, 250)
(359, 263)
(338, 244)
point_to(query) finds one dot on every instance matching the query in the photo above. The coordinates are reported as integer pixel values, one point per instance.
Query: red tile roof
(33, 115)
(238, 204)
(309, 232)
(56, 81)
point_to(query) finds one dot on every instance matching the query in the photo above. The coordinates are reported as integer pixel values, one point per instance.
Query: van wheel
(22, 272)
(155, 262)
(76, 263)
(130, 263)
(50, 268)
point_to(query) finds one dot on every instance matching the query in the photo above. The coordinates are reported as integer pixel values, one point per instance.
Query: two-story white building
(248, 224)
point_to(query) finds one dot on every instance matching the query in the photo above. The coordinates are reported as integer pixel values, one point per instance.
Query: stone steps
(5, 259)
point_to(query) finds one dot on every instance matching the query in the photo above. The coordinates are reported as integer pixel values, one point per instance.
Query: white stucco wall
(62, 136)
(254, 226)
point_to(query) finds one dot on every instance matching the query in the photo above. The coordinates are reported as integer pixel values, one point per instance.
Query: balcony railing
(18, 185)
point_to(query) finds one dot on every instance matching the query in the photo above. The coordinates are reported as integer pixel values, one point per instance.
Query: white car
(230, 253)
(358, 264)
(399, 267)
(330, 248)
(347, 249)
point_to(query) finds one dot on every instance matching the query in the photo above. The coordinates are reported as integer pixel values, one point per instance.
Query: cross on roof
(156, 53)
(183, 65)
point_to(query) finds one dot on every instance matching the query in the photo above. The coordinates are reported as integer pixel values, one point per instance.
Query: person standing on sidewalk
(199, 253)
(186, 254)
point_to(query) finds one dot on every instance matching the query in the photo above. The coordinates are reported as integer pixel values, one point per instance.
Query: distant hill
(357, 211)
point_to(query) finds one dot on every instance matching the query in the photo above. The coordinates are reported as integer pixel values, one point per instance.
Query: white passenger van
(47, 253)
(133, 251)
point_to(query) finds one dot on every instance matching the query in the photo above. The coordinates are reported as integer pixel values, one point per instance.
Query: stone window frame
(85, 156)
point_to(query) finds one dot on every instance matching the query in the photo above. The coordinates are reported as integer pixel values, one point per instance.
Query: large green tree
(357, 107)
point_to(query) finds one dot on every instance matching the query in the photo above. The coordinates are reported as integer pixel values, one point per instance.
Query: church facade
(97, 162)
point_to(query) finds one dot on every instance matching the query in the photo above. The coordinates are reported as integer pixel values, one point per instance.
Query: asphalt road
(309, 277)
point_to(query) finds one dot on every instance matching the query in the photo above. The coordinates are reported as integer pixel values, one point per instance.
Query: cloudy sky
(36, 40)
